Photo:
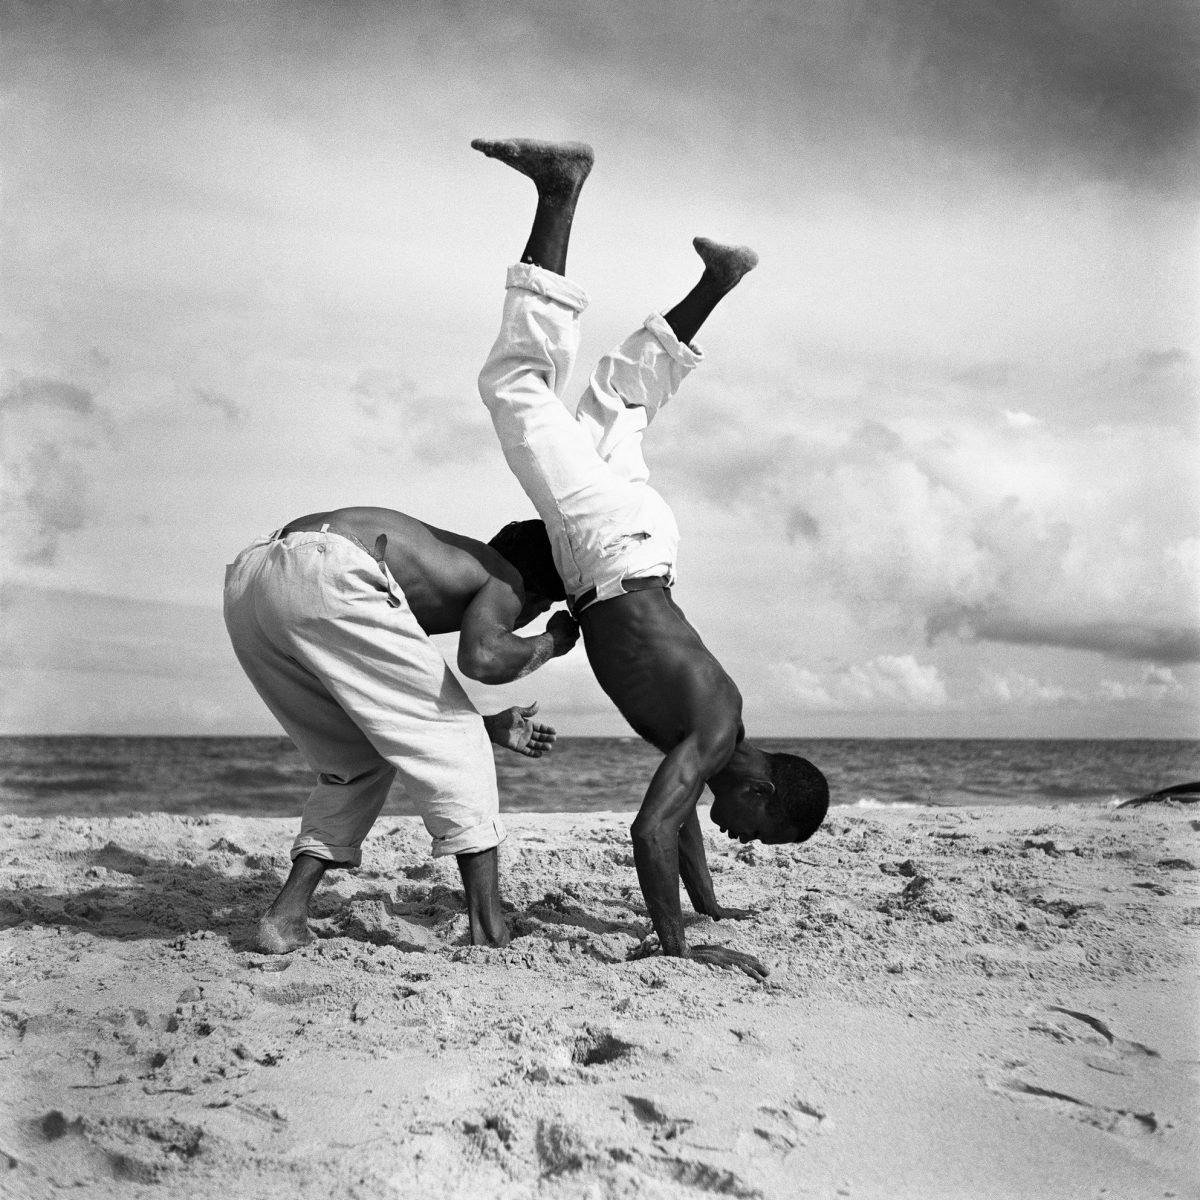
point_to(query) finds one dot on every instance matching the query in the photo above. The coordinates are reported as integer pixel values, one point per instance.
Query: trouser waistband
(638, 584)
(345, 533)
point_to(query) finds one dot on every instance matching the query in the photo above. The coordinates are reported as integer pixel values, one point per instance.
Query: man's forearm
(508, 657)
(693, 867)
(656, 842)
(657, 863)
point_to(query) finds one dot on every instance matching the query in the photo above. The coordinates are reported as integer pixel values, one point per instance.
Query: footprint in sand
(649, 1113)
(1119, 1045)
(135, 1148)
(1121, 1121)
(786, 1125)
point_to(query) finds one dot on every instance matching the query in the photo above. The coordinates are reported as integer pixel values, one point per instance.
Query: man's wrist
(541, 651)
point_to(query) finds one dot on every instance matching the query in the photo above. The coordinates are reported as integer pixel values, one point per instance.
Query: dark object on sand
(1182, 793)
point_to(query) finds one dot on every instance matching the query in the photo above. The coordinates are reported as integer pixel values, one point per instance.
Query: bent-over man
(331, 617)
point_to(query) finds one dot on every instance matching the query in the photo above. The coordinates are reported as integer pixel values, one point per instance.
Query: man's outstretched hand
(734, 960)
(515, 730)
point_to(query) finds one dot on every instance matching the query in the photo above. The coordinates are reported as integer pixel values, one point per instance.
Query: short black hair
(801, 792)
(527, 546)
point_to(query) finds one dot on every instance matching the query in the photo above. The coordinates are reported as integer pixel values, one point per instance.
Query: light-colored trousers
(585, 474)
(330, 644)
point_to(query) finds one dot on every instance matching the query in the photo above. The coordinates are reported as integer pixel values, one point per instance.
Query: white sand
(1017, 1018)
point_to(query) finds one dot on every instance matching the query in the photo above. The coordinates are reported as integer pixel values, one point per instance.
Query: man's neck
(747, 762)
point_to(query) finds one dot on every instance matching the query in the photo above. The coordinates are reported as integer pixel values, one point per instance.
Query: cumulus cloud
(48, 429)
(888, 682)
(404, 418)
(1050, 538)
(1021, 420)
(1158, 685)
(1023, 691)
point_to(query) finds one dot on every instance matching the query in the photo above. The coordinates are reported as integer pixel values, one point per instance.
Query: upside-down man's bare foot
(281, 935)
(558, 169)
(724, 265)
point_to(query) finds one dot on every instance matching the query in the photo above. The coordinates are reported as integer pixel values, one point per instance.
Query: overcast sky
(937, 475)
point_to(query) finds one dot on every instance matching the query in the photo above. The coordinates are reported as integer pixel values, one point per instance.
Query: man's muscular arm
(489, 650)
(671, 797)
(693, 870)
(657, 835)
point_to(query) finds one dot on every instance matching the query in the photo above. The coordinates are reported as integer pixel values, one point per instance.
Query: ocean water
(265, 776)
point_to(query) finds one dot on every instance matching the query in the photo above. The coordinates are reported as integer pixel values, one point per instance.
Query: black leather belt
(638, 583)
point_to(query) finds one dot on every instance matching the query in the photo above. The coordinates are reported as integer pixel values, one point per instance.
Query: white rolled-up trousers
(327, 638)
(585, 473)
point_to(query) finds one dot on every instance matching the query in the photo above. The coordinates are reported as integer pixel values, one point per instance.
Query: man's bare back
(454, 583)
(655, 668)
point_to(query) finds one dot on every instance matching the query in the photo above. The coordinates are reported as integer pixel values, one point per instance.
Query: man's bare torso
(439, 572)
(658, 672)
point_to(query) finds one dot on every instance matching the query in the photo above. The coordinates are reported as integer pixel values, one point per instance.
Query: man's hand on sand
(515, 730)
(734, 960)
(564, 629)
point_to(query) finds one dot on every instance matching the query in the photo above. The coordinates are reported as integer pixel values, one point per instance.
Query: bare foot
(557, 168)
(725, 265)
(276, 935)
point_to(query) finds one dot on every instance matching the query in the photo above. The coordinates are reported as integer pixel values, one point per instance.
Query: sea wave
(47, 776)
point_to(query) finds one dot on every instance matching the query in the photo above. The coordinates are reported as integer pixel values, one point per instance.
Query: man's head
(774, 798)
(526, 545)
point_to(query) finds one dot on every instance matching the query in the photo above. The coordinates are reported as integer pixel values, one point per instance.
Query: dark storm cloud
(1058, 88)
(34, 391)
(230, 409)
(1151, 362)
(801, 524)
(1100, 88)
(1161, 644)
(1113, 84)
(984, 377)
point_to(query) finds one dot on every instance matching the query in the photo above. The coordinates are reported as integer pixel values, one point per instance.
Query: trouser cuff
(531, 278)
(488, 833)
(686, 355)
(339, 856)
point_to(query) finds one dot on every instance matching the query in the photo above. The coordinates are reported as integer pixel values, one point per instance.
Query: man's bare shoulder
(417, 538)
(440, 571)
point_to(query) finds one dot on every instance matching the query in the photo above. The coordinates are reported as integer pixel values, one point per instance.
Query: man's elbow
(484, 666)
(651, 836)
(477, 664)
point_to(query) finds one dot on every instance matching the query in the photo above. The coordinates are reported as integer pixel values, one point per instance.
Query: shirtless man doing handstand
(614, 541)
